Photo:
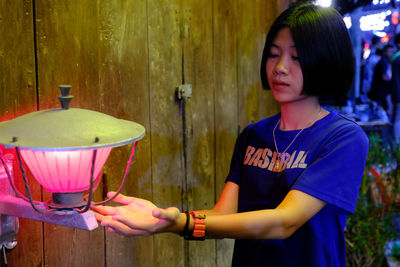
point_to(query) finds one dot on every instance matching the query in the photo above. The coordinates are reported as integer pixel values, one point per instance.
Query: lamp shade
(64, 171)
(68, 129)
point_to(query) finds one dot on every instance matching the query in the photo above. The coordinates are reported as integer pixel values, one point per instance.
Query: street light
(65, 149)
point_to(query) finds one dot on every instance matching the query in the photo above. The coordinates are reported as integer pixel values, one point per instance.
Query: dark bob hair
(324, 49)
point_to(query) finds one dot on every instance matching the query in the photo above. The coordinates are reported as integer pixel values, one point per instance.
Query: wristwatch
(199, 229)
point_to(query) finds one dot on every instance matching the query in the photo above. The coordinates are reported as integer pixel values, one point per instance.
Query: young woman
(295, 176)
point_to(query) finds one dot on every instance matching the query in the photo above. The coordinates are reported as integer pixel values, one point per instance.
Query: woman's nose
(281, 67)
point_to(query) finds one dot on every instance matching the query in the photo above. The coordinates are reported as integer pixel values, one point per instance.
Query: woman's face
(284, 73)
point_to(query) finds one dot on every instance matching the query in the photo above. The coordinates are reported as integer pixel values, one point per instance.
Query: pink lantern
(65, 149)
(64, 171)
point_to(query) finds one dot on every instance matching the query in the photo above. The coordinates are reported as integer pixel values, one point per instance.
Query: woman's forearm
(278, 223)
(249, 225)
(263, 224)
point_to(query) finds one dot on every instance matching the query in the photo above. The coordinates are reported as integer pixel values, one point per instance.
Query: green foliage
(368, 230)
(373, 223)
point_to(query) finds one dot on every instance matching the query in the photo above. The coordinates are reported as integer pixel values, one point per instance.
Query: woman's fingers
(98, 216)
(104, 210)
(120, 198)
(135, 216)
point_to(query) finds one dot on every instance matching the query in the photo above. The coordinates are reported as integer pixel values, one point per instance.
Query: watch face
(198, 214)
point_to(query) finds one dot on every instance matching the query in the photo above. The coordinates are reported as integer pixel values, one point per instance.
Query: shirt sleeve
(335, 174)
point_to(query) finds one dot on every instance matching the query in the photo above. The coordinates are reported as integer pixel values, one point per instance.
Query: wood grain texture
(17, 59)
(253, 21)
(67, 43)
(123, 75)
(198, 71)
(226, 104)
(165, 75)
(17, 97)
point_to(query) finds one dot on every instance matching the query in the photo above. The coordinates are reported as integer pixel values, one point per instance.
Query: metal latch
(184, 91)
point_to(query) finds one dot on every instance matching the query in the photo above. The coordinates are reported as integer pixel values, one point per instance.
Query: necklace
(279, 162)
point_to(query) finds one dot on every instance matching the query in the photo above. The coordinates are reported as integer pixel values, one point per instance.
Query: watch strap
(199, 228)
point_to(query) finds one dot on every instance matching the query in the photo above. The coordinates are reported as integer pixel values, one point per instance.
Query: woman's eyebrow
(277, 46)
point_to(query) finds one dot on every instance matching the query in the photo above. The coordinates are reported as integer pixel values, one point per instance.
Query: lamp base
(67, 200)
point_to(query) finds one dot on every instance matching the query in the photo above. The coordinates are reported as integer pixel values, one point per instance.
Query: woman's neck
(300, 114)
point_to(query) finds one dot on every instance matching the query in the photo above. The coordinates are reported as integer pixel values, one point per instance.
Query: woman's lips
(279, 84)
(276, 82)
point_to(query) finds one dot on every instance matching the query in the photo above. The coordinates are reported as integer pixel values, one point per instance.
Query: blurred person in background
(381, 82)
(395, 87)
(370, 64)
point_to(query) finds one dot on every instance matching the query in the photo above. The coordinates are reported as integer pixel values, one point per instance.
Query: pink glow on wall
(64, 171)
(4, 183)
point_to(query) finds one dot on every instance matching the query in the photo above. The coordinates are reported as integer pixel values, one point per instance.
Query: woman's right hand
(138, 217)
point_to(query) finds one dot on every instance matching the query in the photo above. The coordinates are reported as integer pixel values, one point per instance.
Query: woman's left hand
(136, 216)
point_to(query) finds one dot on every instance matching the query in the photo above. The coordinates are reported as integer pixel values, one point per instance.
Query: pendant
(277, 165)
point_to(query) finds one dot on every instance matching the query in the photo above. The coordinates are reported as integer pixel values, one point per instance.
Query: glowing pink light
(6, 188)
(64, 171)
(9, 161)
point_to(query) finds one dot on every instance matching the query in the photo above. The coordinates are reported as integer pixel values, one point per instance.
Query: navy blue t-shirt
(326, 161)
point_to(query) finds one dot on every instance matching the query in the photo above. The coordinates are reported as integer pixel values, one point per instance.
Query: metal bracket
(9, 225)
(9, 228)
(184, 91)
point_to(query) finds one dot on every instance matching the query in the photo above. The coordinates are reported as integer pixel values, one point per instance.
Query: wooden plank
(123, 74)
(17, 64)
(17, 97)
(272, 9)
(67, 54)
(199, 72)
(226, 100)
(267, 104)
(253, 18)
(165, 66)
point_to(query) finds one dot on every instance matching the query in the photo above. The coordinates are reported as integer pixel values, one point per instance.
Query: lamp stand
(67, 200)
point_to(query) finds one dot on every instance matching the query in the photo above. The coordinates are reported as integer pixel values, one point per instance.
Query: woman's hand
(136, 216)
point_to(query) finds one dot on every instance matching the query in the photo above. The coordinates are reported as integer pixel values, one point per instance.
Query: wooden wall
(126, 58)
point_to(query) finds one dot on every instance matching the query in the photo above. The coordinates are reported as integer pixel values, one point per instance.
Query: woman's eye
(272, 55)
(295, 57)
